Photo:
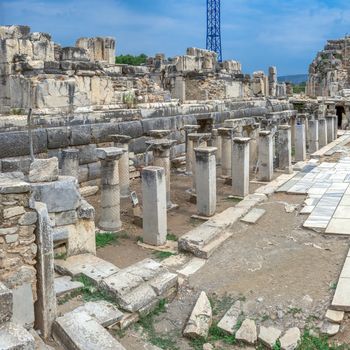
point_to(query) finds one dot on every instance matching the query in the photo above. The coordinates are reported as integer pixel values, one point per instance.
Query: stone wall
(18, 249)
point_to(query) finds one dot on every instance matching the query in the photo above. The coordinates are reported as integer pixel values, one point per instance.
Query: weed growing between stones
(107, 238)
(162, 255)
(61, 256)
(163, 341)
(309, 342)
(171, 237)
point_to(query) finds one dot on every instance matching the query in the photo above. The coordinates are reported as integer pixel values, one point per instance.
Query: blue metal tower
(214, 27)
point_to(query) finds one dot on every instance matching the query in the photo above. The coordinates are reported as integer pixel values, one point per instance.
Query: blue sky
(259, 33)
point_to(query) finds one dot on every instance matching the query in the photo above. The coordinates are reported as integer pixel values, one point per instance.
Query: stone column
(189, 146)
(300, 143)
(253, 145)
(293, 130)
(265, 163)
(154, 205)
(161, 155)
(70, 162)
(122, 141)
(330, 128)
(284, 148)
(313, 133)
(226, 149)
(240, 166)
(45, 307)
(110, 191)
(335, 121)
(322, 132)
(206, 180)
(198, 140)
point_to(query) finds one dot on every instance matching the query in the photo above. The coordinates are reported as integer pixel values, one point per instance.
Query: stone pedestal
(154, 205)
(110, 191)
(189, 146)
(215, 141)
(206, 180)
(161, 155)
(240, 166)
(322, 132)
(330, 128)
(313, 134)
(198, 140)
(265, 162)
(70, 162)
(122, 141)
(284, 148)
(300, 143)
(226, 149)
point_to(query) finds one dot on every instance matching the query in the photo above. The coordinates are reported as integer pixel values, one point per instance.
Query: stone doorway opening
(340, 111)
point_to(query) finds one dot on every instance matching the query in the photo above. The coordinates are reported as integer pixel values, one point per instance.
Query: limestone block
(80, 135)
(74, 54)
(87, 154)
(101, 132)
(247, 332)
(102, 91)
(290, 339)
(14, 31)
(6, 303)
(229, 321)
(81, 237)
(43, 47)
(86, 210)
(13, 211)
(269, 336)
(334, 316)
(88, 191)
(80, 331)
(14, 336)
(58, 137)
(61, 195)
(64, 285)
(66, 218)
(133, 128)
(43, 170)
(329, 329)
(18, 164)
(200, 320)
(12, 185)
(23, 305)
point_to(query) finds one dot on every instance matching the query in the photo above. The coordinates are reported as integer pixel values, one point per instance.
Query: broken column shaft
(154, 205)
(110, 191)
(300, 143)
(330, 128)
(322, 132)
(122, 141)
(161, 158)
(206, 180)
(265, 163)
(313, 135)
(226, 149)
(70, 162)
(189, 146)
(240, 166)
(284, 148)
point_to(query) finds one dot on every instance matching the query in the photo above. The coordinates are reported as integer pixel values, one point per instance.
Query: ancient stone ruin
(168, 201)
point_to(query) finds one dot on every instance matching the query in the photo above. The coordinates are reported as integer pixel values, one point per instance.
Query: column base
(108, 227)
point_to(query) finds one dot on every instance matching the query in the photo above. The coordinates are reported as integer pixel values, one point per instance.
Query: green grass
(61, 256)
(294, 310)
(309, 342)
(333, 286)
(233, 199)
(106, 238)
(171, 237)
(162, 255)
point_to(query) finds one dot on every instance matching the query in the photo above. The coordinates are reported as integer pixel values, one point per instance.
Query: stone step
(64, 285)
(87, 265)
(15, 337)
(80, 331)
(104, 312)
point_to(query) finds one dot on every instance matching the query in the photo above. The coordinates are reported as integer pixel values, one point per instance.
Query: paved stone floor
(328, 188)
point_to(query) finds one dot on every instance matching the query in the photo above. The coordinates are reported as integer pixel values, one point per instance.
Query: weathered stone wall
(17, 239)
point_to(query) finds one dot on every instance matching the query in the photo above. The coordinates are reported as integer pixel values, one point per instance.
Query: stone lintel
(109, 153)
(71, 153)
(123, 139)
(241, 139)
(200, 136)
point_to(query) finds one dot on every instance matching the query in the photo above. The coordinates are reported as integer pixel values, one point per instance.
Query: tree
(131, 60)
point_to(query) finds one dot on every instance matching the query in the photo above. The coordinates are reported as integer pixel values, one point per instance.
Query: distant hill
(294, 79)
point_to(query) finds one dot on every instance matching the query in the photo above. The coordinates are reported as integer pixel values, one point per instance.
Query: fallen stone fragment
(43, 170)
(229, 321)
(290, 339)
(247, 332)
(269, 335)
(329, 328)
(64, 284)
(104, 312)
(208, 346)
(200, 320)
(80, 331)
(13, 337)
(6, 303)
(253, 215)
(334, 316)
(88, 191)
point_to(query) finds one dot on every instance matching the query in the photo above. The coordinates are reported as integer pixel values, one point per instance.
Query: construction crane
(214, 27)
